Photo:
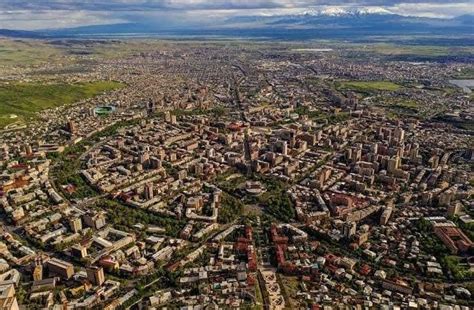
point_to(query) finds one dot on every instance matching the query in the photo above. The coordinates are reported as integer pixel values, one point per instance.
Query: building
(71, 127)
(60, 268)
(95, 275)
(399, 134)
(397, 286)
(7, 298)
(38, 273)
(186, 232)
(96, 221)
(349, 229)
(454, 209)
(386, 213)
(273, 295)
(79, 250)
(149, 191)
(361, 237)
(393, 164)
(75, 224)
(347, 263)
(453, 238)
(445, 198)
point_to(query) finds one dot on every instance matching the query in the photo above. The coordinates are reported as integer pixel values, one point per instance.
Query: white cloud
(31, 20)
(41, 14)
(434, 10)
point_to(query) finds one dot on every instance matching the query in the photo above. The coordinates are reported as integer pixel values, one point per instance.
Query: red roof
(365, 269)
(19, 166)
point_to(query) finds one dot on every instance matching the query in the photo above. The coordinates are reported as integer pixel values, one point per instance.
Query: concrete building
(60, 268)
(8, 299)
(95, 275)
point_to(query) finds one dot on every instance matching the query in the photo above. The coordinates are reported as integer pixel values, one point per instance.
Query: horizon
(47, 15)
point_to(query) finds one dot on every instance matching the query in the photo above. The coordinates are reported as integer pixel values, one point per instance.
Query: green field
(403, 107)
(368, 86)
(26, 53)
(465, 73)
(419, 50)
(20, 101)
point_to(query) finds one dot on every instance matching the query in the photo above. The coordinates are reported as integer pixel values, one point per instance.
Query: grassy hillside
(27, 52)
(20, 101)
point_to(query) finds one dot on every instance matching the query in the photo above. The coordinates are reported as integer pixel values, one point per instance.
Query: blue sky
(42, 14)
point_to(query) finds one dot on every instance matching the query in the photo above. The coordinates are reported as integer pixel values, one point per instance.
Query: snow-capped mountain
(349, 23)
(345, 11)
(325, 22)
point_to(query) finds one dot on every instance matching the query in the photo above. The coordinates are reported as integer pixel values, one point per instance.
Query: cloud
(40, 14)
(41, 19)
(435, 10)
(145, 5)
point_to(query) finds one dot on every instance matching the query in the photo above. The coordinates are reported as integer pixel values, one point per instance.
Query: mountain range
(361, 23)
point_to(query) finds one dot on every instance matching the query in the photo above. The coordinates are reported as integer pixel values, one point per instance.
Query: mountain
(350, 24)
(353, 24)
(20, 34)
(466, 19)
(370, 18)
(103, 30)
(342, 11)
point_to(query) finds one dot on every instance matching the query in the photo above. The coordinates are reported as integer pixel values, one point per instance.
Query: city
(236, 174)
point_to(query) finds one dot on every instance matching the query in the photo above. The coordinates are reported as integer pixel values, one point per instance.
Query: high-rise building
(173, 119)
(247, 148)
(151, 107)
(38, 273)
(445, 198)
(385, 216)
(393, 164)
(149, 191)
(414, 151)
(28, 149)
(155, 163)
(374, 148)
(143, 157)
(353, 100)
(167, 116)
(95, 220)
(60, 268)
(71, 127)
(75, 224)
(357, 154)
(349, 155)
(399, 134)
(284, 148)
(95, 275)
(434, 160)
(349, 229)
(78, 250)
(454, 209)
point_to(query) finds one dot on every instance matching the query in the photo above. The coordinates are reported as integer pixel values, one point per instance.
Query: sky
(52, 14)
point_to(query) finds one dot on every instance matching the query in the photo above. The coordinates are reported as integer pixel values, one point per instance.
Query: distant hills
(349, 22)
(354, 24)
(19, 34)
